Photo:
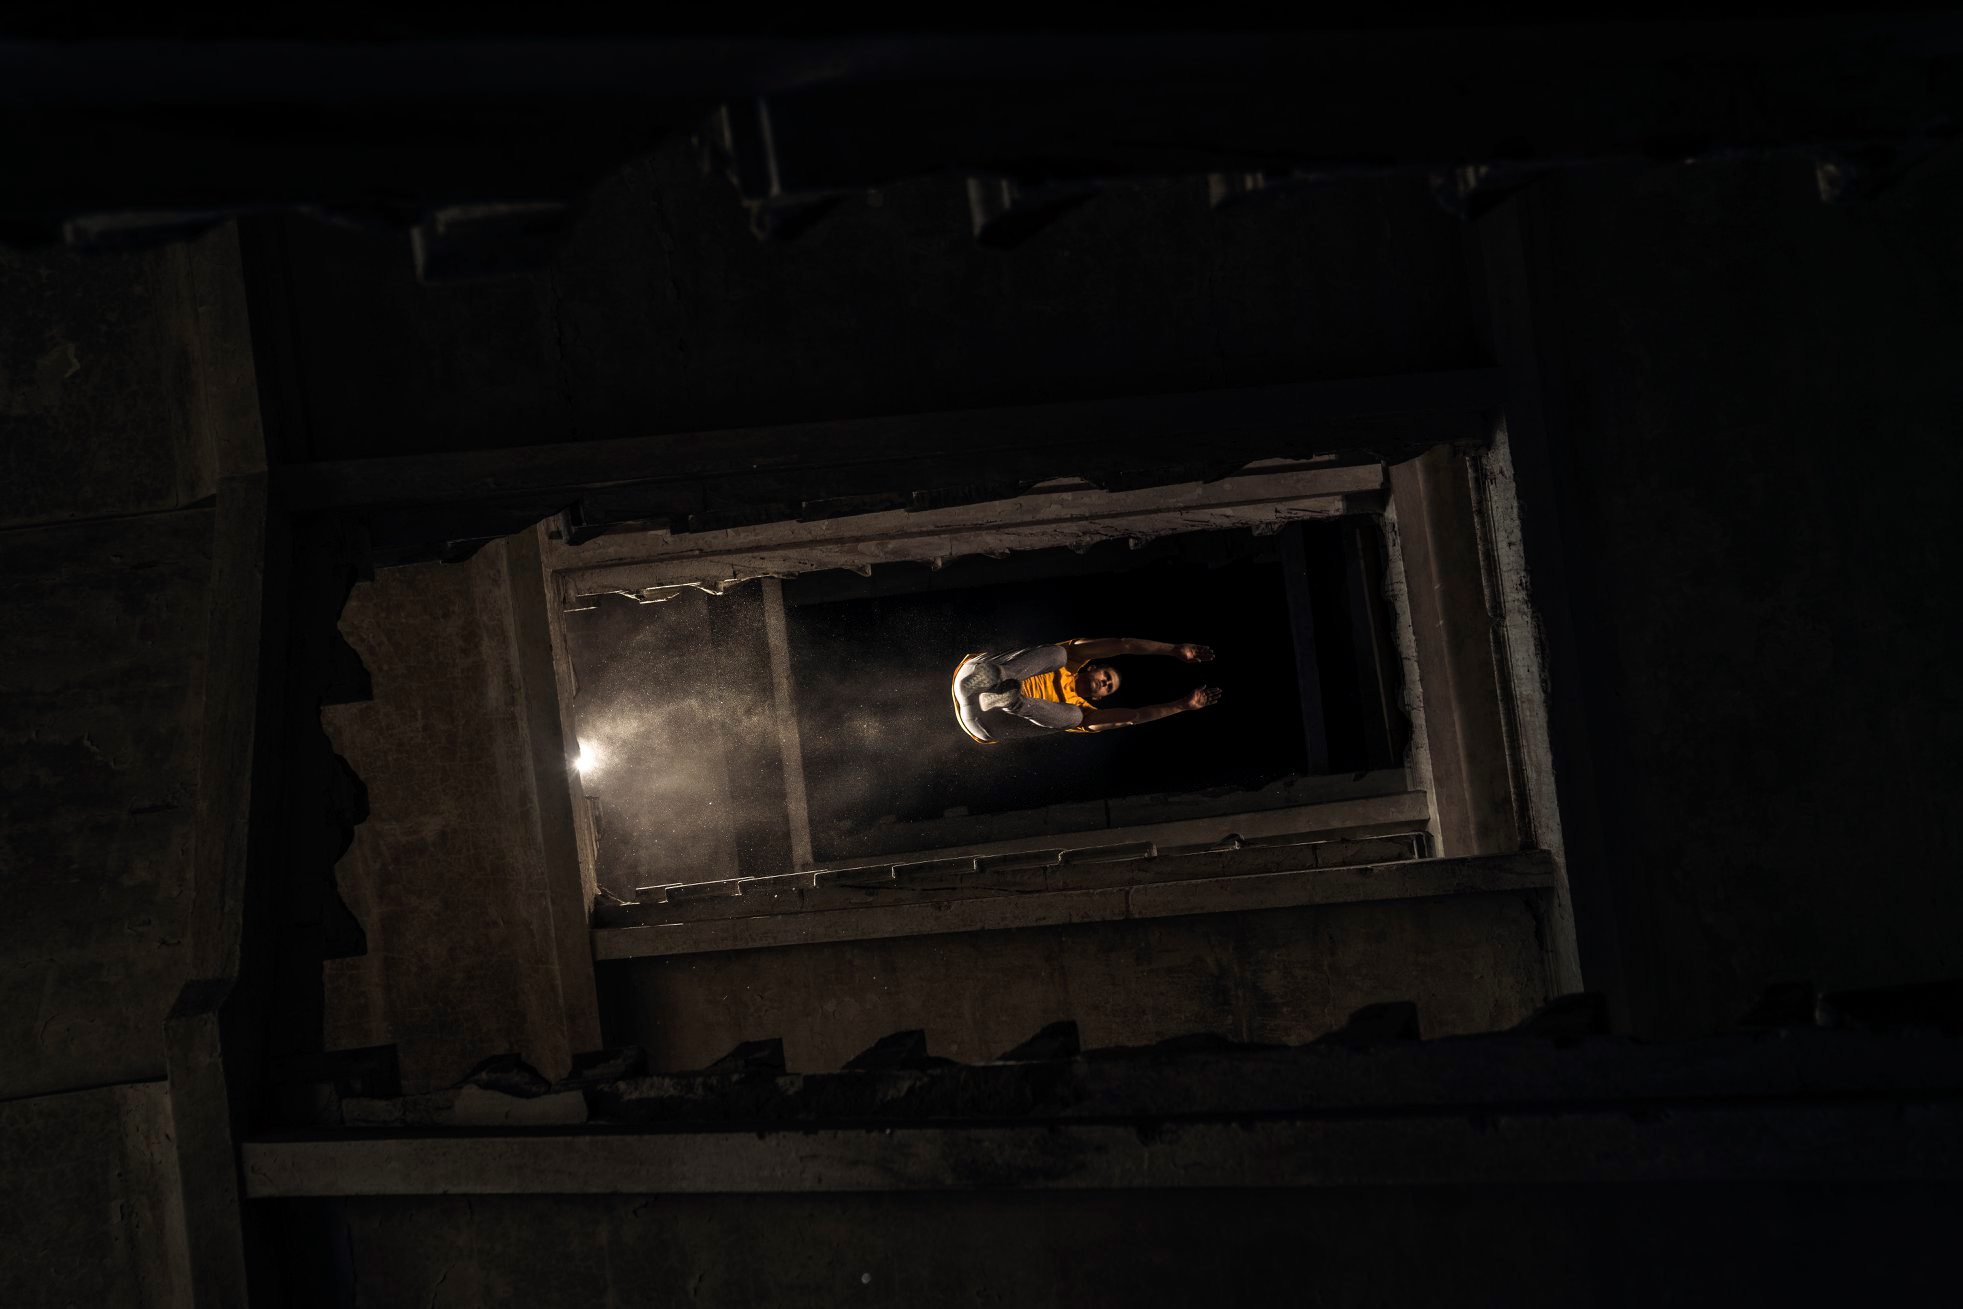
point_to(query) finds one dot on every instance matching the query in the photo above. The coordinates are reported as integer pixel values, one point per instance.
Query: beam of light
(588, 761)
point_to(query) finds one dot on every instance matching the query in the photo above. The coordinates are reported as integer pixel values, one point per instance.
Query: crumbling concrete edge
(1521, 645)
(1417, 751)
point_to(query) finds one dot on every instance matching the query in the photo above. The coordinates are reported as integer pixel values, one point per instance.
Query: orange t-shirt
(1058, 687)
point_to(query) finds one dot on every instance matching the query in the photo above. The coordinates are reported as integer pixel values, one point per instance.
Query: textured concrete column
(790, 745)
(1471, 768)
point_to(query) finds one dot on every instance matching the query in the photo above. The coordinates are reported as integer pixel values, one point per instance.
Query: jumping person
(1054, 688)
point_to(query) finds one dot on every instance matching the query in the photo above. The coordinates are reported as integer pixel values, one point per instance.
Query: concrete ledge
(1471, 761)
(1378, 803)
(1895, 1141)
(216, 1259)
(569, 887)
(681, 456)
(982, 910)
(651, 563)
(882, 885)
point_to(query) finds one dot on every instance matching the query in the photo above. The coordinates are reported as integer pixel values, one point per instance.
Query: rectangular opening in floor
(808, 722)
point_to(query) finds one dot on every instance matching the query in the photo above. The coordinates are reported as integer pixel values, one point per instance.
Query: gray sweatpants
(985, 689)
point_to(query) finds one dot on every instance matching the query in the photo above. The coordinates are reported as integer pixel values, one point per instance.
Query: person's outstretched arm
(1087, 651)
(1099, 720)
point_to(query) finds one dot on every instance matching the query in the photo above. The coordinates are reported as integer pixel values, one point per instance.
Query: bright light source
(588, 760)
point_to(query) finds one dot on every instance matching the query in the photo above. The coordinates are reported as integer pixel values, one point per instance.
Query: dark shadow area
(873, 677)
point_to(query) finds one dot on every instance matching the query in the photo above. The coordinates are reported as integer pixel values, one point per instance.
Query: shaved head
(1096, 680)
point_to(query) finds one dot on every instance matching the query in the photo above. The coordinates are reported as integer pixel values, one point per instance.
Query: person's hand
(1201, 698)
(1194, 654)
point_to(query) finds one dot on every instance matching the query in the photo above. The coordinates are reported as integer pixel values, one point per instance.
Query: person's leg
(1028, 662)
(987, 685)
(974, 678)
(1001, 725)
(1046, 713)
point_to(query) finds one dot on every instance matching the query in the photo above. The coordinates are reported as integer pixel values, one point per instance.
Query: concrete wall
(104, 573)
(101, 660)
(1555, 1246)
(88, 1200)
(101, 703)
(1765, 446)
(664, 313)
(101, 384)
(1472, 963)
(446, 875)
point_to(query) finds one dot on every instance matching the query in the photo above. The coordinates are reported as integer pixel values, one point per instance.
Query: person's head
(1097, 680)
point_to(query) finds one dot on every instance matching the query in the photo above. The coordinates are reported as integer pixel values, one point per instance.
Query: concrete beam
(246, 630)
(790, 744)
(973, 879)
(565, 690)
(1378, 805)
(1890, 1141)
(1285, 417)
(1308, 666)
(1343, 1070)
(1471, 763)
(1073, 515)
(1603, 917)
(957, 912)
(1372, 644)
(569, 887)
(217, 1255)
(215, 1034)
(226, 431)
